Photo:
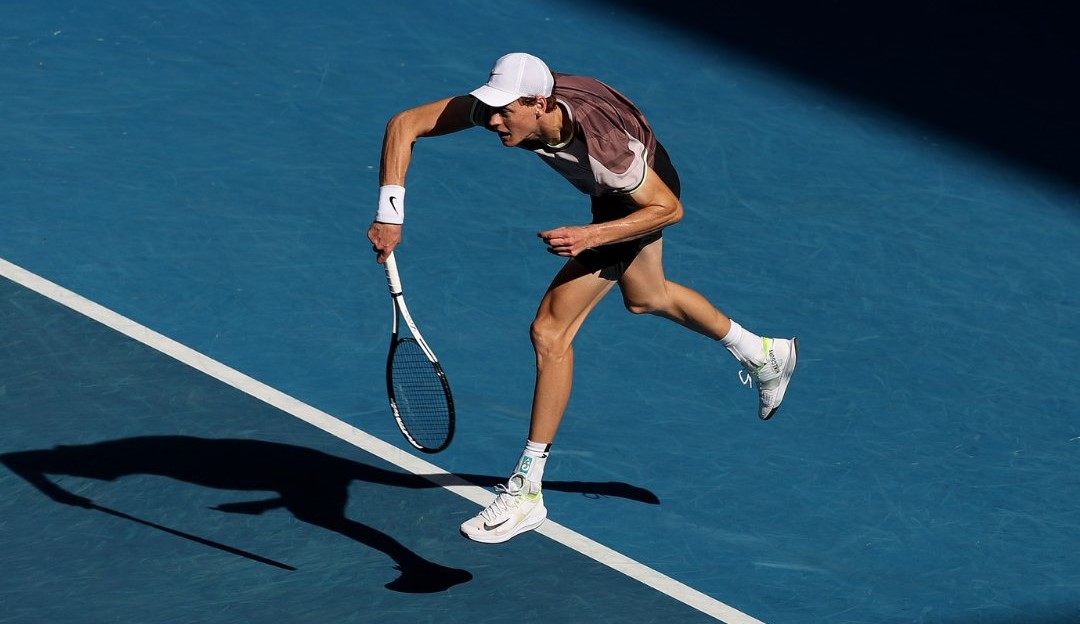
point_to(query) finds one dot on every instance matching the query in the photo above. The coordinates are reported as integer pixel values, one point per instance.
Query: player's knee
(644, 306)
(547, 337)
(541, 334)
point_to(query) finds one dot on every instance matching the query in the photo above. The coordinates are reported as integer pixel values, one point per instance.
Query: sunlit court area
(194, 329)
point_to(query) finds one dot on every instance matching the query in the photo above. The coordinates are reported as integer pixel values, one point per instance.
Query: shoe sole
(785, 377)
(527, 525)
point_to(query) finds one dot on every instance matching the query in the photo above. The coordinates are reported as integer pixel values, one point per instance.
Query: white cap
(514, 76)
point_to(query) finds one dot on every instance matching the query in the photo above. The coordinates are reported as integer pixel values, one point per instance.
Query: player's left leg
(769, 361)
(646, 290)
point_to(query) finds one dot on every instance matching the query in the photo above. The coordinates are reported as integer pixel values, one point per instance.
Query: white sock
(532, 461)
(746, 346)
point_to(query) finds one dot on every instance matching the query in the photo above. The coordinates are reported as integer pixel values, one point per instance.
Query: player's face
(515, 123)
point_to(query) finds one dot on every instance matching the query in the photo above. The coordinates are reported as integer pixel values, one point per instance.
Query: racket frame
(401, 313)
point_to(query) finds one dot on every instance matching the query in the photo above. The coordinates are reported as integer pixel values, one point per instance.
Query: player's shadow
(310, 484)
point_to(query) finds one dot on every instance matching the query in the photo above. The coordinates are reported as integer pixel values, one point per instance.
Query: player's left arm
(658, 207)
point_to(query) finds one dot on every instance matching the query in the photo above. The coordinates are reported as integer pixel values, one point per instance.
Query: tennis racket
(416, 385)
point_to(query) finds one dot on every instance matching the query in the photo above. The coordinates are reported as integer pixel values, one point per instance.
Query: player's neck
(557, 130)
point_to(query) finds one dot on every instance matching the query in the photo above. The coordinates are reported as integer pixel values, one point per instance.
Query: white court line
(366, 442)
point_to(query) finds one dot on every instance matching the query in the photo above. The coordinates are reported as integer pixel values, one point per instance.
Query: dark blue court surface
(209, 172)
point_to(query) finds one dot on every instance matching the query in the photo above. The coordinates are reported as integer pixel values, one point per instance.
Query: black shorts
(612, 260)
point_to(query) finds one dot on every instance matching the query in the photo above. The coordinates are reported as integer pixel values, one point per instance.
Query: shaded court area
(996, 75)
(138, 490)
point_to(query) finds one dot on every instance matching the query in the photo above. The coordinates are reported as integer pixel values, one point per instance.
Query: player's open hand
(568, 242)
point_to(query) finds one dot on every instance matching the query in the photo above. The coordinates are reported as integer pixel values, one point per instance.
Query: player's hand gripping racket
(419, 394)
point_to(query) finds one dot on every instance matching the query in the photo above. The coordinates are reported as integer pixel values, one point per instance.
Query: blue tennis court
(193, 332)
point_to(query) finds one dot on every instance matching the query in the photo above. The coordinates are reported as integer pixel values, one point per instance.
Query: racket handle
(393, 281)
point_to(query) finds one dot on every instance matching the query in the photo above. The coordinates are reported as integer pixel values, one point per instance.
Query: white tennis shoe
(519, 507)
(774, 375)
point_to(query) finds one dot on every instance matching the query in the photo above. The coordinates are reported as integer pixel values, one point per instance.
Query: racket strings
(420, 395)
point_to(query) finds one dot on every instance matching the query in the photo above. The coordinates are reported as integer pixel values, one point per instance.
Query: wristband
(391, 204)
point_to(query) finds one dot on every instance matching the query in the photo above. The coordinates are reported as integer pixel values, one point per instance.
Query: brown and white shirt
(612, 144)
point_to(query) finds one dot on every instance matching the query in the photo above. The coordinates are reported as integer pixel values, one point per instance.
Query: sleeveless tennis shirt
(612, 144)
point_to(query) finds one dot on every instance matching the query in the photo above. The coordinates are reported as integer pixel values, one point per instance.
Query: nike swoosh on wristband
(393, 205)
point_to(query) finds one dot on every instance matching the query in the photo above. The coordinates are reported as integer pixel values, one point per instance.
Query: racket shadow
(310, 484)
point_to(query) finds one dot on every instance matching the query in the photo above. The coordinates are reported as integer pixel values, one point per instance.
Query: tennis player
(601, 143)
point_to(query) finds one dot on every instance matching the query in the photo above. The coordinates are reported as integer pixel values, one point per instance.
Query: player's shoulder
(588, 92)
(577, 82)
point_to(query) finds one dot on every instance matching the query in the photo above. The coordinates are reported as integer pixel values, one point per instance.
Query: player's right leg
(519, 505)
(572, 295)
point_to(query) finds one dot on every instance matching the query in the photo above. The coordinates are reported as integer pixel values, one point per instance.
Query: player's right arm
(433, 119)
(32, 467)
(402, 131)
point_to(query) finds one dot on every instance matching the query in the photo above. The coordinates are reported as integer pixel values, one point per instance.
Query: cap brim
(493, 97)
